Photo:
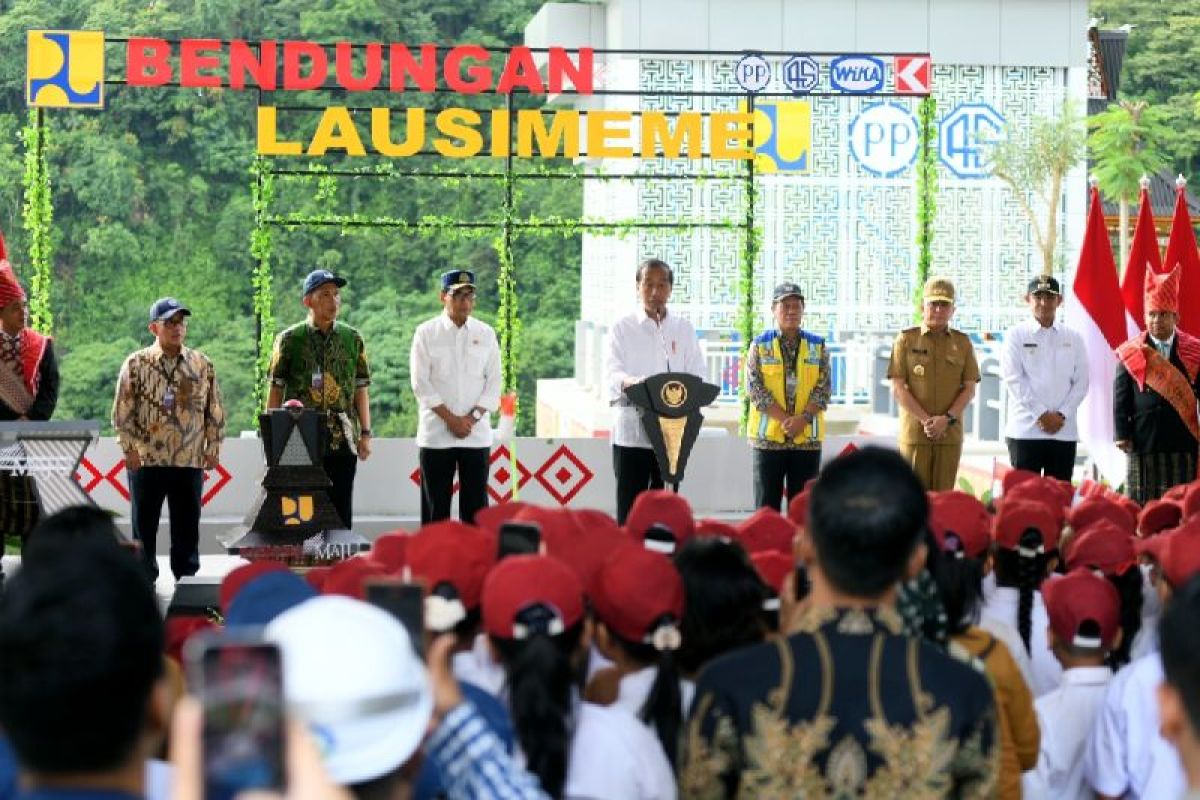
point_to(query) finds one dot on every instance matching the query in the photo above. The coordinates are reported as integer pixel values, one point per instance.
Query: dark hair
(1129, 587)
(540, 675)
(81, 644)
(654, 263)
(1023, 569)
(1179, 637)
(723, 597)
(866, 515)
(72, 524)
(663, 709)
(960, 584)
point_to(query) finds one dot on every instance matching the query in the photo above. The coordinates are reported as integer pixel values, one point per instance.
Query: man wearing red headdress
(28, 391)
(1154, 396)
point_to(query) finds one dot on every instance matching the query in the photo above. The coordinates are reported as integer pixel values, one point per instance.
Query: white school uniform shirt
(1126, 756)
(1146, 640)
(1011, 639)
(1065, 718)
(1002, 604)
(614, 756)
(1044, 369)
(638, 347)
(476, 666)
(458, 367)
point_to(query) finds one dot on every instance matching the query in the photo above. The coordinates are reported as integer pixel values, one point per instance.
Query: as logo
(782, 135)
(296, 510)
(64, 69)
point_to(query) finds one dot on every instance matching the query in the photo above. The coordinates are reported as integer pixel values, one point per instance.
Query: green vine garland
(262, 192)
(38, 217)
(927, 185)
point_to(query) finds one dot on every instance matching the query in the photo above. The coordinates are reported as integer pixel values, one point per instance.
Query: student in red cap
(637, 597)
(1084, 612)
(1179, 695)
(533, 613)
(1107, 549)
(662, 519)
(1025, 550)
(962, 530)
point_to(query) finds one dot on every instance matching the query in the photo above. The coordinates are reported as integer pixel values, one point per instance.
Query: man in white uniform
(1044, 367)
(455, 371)
(641, 344)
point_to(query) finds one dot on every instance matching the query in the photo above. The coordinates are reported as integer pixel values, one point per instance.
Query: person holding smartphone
(455, 373)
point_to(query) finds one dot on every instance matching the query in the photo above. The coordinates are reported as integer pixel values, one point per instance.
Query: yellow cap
(939, 289)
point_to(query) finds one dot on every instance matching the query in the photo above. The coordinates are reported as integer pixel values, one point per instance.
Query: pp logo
(801, 74)
(782, 136)
(883, 139)
(753, 73)
(64, 69)
(962, 139)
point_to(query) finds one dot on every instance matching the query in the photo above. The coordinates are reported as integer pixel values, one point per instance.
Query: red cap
(965, 516)
(1094, 509)
(766, 530)
(589, 519)
(1162, 290)
(1191, 501)
(388, 550)
(636, 592)
(715, 528)
(1158, 516)
(1016, 476)
(773, 568)
(662, 507)
(1103, 546)
(798, 508)
(518, 582)
(317, 576)
(581, 548)
(350, 576)
(1078, 597)
(1017, 515)
(1041, 490)
(240, 576)
(10, 290)
(453, 553)
(1177, 552)
(1176, 493)
(490, 518)
(179, 628)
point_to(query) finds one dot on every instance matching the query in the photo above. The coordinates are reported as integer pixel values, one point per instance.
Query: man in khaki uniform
(933, 373)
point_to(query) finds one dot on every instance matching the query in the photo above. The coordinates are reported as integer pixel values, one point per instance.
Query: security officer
(933, 373)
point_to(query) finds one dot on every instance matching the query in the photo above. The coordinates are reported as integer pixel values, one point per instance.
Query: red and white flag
(1097, 311)
(1143, 255)
(1181, 252)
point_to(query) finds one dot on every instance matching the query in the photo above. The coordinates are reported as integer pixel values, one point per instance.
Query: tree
(1125, 143)
(1034, 160)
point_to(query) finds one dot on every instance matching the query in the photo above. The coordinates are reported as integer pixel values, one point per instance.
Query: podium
(38, 462)
(670, 404)
(293, 519)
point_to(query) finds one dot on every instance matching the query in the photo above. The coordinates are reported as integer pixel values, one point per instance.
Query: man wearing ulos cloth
(1154, 396)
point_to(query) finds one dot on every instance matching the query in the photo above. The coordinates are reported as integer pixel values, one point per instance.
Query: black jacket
(1145, 418)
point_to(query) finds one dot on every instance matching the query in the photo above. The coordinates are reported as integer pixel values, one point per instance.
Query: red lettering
(372, 71)
(479, 77)
(423, 72)
(561, 66)
(293, 80)
(520, 70)
(196, 55)
(259, 67)
(147, 62)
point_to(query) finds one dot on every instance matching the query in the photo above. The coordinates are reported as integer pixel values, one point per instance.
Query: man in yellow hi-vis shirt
(787, 381)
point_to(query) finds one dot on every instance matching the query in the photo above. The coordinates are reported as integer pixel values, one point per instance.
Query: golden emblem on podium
(672, 431)
(919, 370)
(674, 394)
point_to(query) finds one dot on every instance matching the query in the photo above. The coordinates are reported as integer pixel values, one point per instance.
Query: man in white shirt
(641, 344)
(1044, 367)
(455, 371)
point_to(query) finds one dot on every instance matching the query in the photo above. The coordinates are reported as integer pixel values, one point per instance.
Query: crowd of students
(874, 641)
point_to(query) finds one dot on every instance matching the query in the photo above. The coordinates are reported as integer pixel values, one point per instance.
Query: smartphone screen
(801, 583)
(519, 538)
(241, 690)
(405, 602)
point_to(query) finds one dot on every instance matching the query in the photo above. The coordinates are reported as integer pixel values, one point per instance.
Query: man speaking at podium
(644, 343)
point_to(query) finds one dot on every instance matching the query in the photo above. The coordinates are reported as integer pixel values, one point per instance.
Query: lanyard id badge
(318, 380)
(168, 400)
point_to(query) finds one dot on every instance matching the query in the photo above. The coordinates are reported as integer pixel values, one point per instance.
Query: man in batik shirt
(323, 363)
(170, 424)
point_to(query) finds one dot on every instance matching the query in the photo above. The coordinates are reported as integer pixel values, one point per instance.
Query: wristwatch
(476, 414)
(951, 419)
(365, 432)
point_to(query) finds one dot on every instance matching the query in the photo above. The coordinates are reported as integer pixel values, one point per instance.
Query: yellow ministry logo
(296, 510)
(782, 136)
(64, 69)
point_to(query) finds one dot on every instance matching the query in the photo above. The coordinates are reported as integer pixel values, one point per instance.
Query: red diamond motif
(113, 476)
(223, 477)
(93, 479)
(500, 480)
(570, 472)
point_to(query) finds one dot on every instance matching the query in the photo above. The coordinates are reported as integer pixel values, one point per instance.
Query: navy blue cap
(264, 598)
(167, 307)
(787, 290)
(1044, 284)
(456, 279)
(318, 278)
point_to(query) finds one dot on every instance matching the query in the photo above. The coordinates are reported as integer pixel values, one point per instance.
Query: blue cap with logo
(167, 307)
(456, 279)
(318, 278)
(785, 290)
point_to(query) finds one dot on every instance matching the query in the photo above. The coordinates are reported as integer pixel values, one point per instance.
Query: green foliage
(927, 160)
(1125, 143)
(39, 217)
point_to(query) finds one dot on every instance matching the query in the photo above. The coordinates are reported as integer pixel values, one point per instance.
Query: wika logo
(856, 74)
(64, 69)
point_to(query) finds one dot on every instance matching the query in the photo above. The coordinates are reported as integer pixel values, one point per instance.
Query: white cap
(350, 672)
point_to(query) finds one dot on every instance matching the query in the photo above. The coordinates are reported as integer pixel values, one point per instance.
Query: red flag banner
(1181, 250)
(1143, 255)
